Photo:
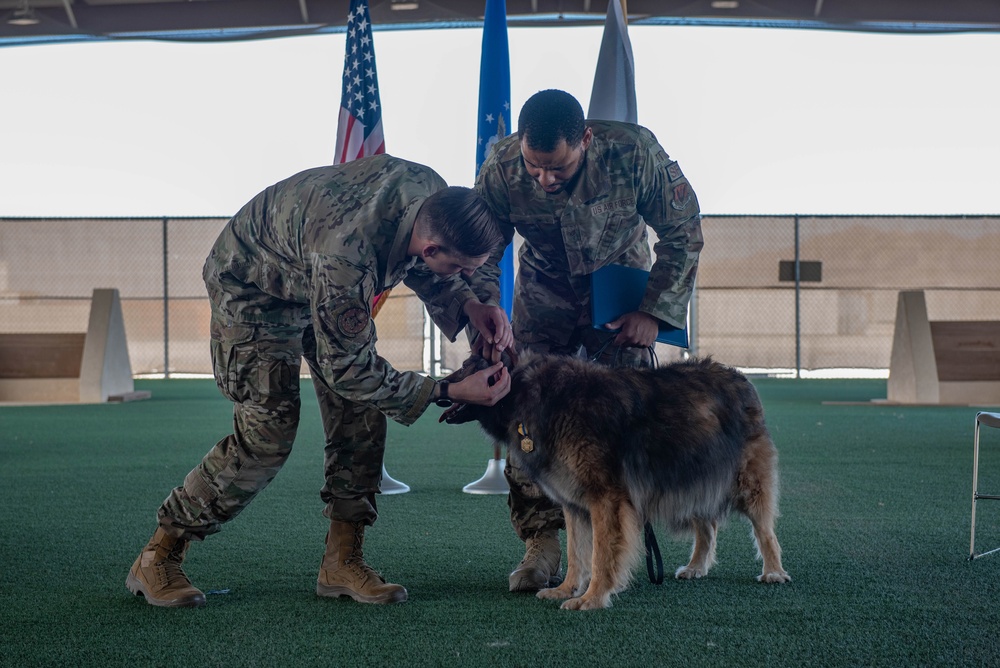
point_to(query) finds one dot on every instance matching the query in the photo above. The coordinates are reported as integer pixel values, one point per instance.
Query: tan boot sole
(532, 580)
(138, 589)
(331, 591)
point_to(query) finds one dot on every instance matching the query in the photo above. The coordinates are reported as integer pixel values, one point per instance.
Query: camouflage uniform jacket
(628, 182)
(317, 248)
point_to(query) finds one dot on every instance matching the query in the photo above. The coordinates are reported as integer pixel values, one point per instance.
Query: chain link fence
(820, 292)
(774, 292)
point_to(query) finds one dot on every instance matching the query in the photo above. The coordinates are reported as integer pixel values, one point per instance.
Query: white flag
(613, 97)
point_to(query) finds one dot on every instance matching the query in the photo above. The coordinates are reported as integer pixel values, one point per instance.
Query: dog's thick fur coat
(680, 446)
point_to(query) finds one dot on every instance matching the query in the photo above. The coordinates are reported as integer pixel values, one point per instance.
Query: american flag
(359, 130)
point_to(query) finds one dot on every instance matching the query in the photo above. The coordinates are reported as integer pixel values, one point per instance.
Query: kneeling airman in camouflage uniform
(292, 275)
(582, 194)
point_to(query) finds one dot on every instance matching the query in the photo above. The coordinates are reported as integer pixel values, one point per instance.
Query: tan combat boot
(345, 573)
(540, 567)
(158, 576)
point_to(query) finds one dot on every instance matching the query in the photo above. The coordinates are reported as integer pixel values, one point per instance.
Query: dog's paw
(689, 573)
(585, 603)
(774, 577)
(555, 593)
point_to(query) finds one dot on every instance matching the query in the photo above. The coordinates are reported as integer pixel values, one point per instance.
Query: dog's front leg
(615, 539)
(578, 541)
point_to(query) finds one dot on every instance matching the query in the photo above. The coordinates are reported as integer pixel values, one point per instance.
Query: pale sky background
(761, 120)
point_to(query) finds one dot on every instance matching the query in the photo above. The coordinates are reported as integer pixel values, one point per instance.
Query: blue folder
(616, 290)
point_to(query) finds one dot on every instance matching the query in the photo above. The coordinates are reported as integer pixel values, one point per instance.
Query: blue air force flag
(494, 114)
(494, 81)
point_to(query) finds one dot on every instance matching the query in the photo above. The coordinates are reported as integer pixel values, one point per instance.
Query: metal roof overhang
(66, 21)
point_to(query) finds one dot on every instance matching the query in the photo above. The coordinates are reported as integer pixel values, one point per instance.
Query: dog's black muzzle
(457, 414)
(462, 413)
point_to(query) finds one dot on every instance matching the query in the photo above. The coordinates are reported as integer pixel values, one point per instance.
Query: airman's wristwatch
(443, 401)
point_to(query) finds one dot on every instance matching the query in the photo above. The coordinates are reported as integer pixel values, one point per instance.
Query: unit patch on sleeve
(682, 197)
(352, 320)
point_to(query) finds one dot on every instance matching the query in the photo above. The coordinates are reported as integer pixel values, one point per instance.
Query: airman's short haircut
(549, 116)
(461, 222)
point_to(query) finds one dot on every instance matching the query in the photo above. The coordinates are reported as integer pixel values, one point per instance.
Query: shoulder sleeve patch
(682, 197)
(351, 318)
(342, 296)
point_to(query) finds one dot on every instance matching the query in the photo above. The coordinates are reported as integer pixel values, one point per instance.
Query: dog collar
(527, 444)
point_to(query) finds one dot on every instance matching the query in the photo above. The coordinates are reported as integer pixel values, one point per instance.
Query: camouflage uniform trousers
(257, 368)
(531, 512)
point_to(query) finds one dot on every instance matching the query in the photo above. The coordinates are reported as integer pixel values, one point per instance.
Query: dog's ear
(476, 363)
(470, 366)
(509, 357)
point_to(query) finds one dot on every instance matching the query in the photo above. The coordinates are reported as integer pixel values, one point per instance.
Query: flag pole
(359, 130)
(493, 125)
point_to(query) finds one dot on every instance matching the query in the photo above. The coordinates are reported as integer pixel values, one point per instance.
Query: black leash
(653, 552)
(655, 571)
(600, 351)
(653, 359)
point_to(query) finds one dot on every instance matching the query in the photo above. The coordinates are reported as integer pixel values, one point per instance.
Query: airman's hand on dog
(488, 351)
(478, 388)
(492, 324)
(638, 329)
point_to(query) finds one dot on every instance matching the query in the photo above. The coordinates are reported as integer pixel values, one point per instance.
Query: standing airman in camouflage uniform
(292, 275)
(582, 194)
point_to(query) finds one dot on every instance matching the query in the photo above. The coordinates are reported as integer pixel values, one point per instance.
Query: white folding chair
(989, 420)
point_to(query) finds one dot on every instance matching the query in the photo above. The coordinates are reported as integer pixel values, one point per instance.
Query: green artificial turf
(875, 530)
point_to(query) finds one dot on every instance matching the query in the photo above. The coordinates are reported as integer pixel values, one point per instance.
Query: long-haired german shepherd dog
(681, 445)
